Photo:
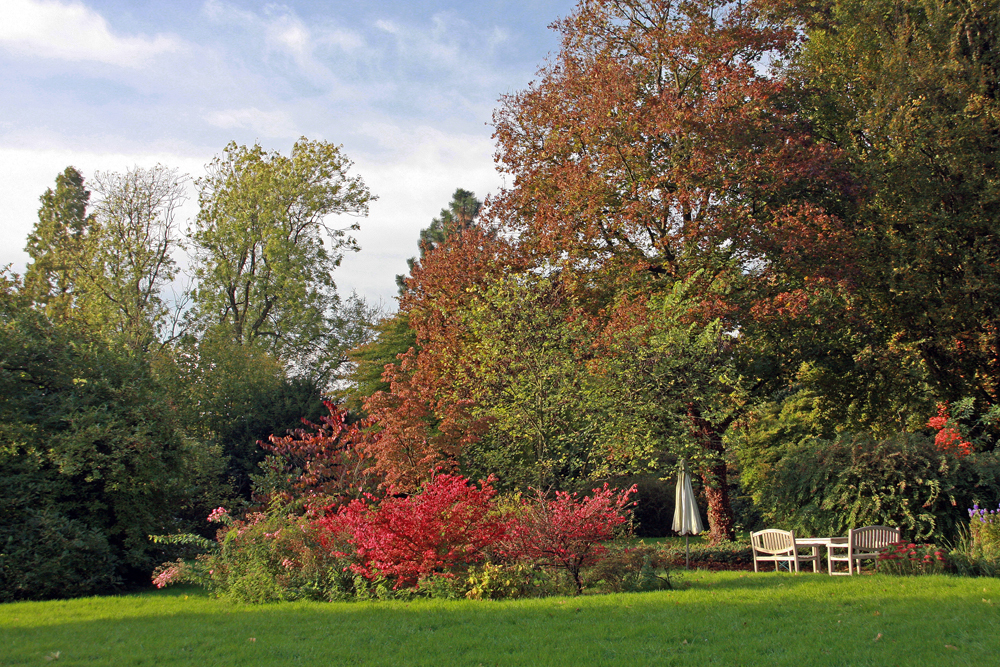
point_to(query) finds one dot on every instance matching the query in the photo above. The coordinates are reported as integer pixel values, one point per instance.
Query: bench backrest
(772, 540)
(873, 537)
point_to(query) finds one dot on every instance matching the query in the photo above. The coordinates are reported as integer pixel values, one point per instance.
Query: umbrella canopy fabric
(687, 518)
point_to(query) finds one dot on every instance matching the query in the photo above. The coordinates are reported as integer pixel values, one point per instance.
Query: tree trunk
(715, 477)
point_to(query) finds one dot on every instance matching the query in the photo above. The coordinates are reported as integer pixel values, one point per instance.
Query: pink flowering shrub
(262, 557)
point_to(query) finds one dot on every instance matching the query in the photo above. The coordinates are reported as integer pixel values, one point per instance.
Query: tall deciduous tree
(909, 90)
(657, 145)
(130, 252)
(265, 252)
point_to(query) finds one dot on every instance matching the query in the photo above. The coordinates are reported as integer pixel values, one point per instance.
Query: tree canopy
(265, 250)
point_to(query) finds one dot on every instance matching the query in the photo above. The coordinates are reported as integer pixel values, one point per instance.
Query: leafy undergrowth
(724, 618)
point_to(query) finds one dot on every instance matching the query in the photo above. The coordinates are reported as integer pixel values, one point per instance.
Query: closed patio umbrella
(687, 519)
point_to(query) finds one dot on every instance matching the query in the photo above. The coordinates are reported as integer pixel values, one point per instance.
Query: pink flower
(166, 576)
(217, 514)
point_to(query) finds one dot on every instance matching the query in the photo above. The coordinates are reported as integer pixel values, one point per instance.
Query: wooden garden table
(816, 543)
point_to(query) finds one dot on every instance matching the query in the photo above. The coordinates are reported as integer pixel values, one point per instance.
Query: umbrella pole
(687, 552)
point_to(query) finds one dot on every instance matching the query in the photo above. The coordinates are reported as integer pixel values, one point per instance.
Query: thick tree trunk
(715, 477)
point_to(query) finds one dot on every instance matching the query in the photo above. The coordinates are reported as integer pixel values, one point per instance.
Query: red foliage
(448, 523)
(948, 438)
(567, 532)
(325, 461)
(426, 419)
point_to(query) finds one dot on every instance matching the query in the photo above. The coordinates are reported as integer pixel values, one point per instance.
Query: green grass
(724, 618)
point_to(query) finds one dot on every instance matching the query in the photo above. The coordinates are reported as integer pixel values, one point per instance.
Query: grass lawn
(723, 618)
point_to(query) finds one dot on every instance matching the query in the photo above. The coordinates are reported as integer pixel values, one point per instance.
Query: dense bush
(629, 568)
(722, 555)
(44, 554)
(233, 396)
(263, 557)
(448, 524)
(91, 461)
(450, 539)
(822, 486)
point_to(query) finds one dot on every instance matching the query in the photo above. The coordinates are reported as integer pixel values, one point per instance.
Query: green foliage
(57, 245)
(265, 254)
(627, 569)
(908, 91)
(529, 351)
(45, 554)
(129, 254)
(977, 549)
(823, 487)
(392, 336)
(508, 581)
(266, 557)
(722, 555)
(91, 454)
(232, 396)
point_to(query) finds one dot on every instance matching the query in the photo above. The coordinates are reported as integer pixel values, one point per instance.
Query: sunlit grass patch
(723, 618)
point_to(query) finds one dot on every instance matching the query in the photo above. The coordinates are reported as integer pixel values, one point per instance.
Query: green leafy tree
(93, 460)
(529, 346)
(233, 396)
(130, 253)
(681, 382)
(265, 254)
(909, 91)
(393, 336)
(57, 245)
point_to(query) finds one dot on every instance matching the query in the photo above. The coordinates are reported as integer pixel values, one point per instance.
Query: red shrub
(323, 461)
(448, 523)
(566, 532)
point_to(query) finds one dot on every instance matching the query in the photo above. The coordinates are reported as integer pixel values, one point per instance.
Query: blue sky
(408, 88)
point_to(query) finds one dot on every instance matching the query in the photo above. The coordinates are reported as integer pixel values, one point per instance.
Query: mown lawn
(724, 618)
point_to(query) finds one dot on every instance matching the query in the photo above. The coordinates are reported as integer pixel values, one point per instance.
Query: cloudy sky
(408, 88)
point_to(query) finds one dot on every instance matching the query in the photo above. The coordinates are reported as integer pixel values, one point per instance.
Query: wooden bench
(862, 544)
(779, 546)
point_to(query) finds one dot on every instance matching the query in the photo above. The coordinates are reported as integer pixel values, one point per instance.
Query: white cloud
(73, 31)
(273, 124)
(388, 26)
(414, 181)
(280, 30)
(33, 171)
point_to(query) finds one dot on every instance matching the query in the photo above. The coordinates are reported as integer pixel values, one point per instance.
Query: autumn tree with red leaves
(425, 420)
(659, 145)
(320, 461)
